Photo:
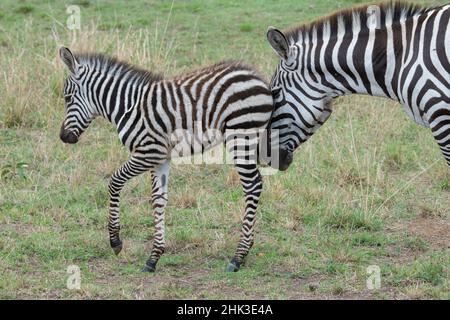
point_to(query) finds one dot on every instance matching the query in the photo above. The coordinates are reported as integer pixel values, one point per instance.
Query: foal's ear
(278, 42)
(69, 60)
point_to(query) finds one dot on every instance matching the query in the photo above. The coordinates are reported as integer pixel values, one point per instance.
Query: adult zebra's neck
(350, 53)
(351, 62)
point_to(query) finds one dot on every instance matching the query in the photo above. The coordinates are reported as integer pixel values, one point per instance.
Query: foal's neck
(118, 95)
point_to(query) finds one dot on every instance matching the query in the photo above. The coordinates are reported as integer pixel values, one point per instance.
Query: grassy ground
(371, 188)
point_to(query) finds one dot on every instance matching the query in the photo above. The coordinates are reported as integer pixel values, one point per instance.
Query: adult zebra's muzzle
(278, 158)
(67, 136)
(286, 158)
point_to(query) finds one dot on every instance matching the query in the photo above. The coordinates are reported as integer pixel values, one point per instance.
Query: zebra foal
(394, 50)
(155, 116)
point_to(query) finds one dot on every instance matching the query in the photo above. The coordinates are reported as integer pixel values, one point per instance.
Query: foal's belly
(185, 143)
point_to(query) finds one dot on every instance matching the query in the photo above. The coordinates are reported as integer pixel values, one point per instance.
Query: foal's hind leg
(243, 153)
(160, 181)
(252, 184)
(439, 121)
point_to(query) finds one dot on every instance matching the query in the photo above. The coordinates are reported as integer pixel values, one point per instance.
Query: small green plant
(10, 171)
(444, 185)
(368, 239)
(335, 267)
(427, 271)
(25, 9)
(416, 243)
(350, 219)
(82, 3)
(246, 27)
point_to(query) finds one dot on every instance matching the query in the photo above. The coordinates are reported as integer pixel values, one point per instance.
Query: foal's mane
(114, 66)
(397, 10)
(117, 67)
(232, 65)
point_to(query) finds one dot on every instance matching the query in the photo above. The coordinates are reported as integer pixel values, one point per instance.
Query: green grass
(342, 207)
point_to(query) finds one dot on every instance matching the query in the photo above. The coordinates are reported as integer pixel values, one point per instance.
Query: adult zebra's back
(394, 50)
(158, 118)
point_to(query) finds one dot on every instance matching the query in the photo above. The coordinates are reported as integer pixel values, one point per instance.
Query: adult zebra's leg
(444, 145)
(252, 184)
(160, 181)
(132, 168)
(439, 122)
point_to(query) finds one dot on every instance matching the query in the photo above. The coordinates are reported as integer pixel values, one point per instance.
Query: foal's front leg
(127, 171)
(160, 181)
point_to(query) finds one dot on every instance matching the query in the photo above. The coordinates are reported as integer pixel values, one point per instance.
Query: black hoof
(233, 266)
(149, 267)
(117, 246)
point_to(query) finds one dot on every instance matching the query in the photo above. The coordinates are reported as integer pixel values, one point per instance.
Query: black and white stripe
(393, 50)
(157, 116)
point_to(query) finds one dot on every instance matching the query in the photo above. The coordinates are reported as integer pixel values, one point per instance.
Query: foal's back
(228, 95)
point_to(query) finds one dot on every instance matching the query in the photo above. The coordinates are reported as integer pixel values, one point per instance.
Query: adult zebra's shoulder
(394, 50)
(156, 117)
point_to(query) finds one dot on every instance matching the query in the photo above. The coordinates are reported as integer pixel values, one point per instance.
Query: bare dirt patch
(434, 230)
(22, 228)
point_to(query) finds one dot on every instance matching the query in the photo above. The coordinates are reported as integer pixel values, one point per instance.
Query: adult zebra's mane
(396, 10)
(116, 67)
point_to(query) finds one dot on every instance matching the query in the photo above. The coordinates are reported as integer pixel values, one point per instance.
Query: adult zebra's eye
(68, 99)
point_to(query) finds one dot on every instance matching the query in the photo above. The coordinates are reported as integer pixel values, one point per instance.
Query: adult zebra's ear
(69, 60)
(278, 42)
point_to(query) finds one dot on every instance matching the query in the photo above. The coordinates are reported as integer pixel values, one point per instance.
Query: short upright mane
(396, 10)
(115, 66)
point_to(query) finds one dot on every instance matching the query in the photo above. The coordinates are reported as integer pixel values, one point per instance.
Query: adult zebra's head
(300, 108)
(78, 111)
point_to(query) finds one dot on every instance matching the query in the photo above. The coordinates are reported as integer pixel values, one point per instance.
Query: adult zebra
(155, 116)
(395, 50)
